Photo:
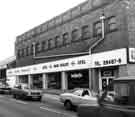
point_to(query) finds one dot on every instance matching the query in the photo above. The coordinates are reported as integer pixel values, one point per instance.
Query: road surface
(10, 107)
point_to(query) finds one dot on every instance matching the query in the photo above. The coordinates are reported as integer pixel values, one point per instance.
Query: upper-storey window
(85, 32)
(112, 24)
(18, 53)
(97, 29)
(38, 47)
(75, 35)
(58, 41)
(31, 49)
(43, 44)
(27, 51)
(66, 39)
(22, 52)
(51, 43)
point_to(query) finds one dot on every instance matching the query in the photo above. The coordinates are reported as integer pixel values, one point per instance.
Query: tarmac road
(10, 107)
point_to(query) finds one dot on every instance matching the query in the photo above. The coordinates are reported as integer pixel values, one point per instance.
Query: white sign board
(109, 58)
(82, 62)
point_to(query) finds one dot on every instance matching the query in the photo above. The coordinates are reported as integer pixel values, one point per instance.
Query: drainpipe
(102, 18)
(34, 49)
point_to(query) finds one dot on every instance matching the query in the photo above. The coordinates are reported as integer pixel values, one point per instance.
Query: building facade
(6, 64)
(87, 46)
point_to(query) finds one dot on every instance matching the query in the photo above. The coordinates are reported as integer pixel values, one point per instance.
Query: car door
(76, 97)
(84, 98)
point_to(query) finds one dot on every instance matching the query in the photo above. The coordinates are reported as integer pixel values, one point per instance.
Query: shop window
(37, 81)
(111, 24)
(51, 43)
(58, 41)
(75, 35)
(54, 81)
(66, 39)
(78, 79)
(85, 32)
(97, 29)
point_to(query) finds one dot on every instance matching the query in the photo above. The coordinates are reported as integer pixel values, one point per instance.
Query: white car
(77, 97)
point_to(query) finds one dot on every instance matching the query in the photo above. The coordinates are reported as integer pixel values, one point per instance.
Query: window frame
(75, 35)
(66, 38)
(57, 44)
(111, 23)
(85, 32)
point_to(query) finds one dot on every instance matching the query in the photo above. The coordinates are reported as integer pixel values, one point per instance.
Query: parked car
(122, 105)
(77, 97)
(5, 89)
(24, 92)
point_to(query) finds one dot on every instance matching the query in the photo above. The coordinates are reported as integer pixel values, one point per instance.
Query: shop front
(106, 76)
(54, 80)
(78, 79)
(94, 71)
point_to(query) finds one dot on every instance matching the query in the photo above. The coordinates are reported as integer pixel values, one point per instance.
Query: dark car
(122, 105)
(5, 89)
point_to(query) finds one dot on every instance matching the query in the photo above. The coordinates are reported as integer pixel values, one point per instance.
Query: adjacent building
(6, 64)
(87, 46)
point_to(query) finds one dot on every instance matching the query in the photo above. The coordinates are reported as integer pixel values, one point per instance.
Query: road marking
(18, 101)
(52, 110)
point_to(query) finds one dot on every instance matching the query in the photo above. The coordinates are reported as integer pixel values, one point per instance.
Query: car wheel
(68, 105)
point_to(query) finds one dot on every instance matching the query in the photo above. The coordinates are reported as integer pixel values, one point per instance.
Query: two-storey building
(86, 46)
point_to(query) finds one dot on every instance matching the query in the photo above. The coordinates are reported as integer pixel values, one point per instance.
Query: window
(66, 39)
(22, 52)
(27, 51)
(75, 35)
(58, 41)
(31, 49)
(38, 47)
(18, 54)
(97, 29)
(43, 44)
(51, 43)
(112, 24)
(85, 32)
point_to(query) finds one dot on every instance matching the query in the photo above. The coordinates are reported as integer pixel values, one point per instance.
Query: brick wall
(85, 14)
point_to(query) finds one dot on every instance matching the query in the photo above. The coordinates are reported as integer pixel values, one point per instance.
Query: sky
(19, 16)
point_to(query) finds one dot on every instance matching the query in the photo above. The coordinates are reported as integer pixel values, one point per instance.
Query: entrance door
(105, 82)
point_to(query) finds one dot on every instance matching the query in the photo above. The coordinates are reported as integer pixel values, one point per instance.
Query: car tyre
(68, 105)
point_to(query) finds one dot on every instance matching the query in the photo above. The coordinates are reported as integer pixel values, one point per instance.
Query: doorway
(105, 79)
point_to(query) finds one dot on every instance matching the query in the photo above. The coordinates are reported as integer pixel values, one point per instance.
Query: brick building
(87, 46)
(8, 63)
